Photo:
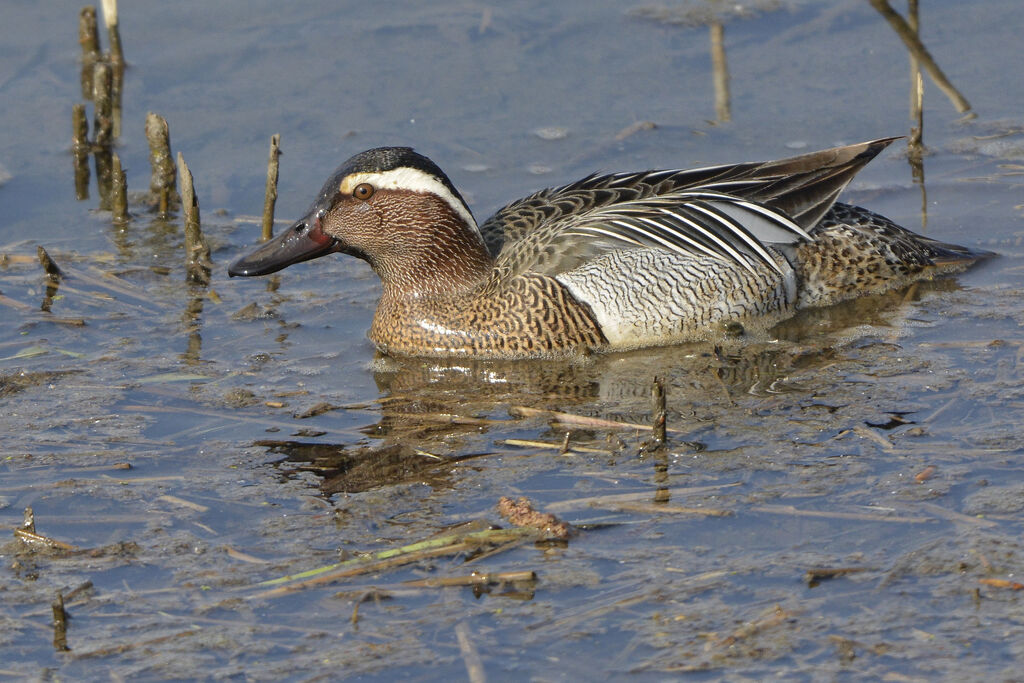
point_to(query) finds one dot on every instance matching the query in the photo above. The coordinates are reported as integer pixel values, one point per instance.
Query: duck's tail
(854, 251)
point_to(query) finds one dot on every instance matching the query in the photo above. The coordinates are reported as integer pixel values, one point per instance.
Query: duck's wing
(729, 212)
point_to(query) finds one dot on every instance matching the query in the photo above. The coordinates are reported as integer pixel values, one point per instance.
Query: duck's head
(392, 207)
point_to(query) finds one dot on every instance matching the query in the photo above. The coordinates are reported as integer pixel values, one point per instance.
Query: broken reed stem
(470, 654)
(113, 32)
(102, 78)
(60, 624)
(116, 59)
(197, 252)
(80, 150)
(102, 129)
(89, 39)
(915, 143)
(270, 198)
(164, 179)
(48, 264)
(720, 72)
(659, 427)
(79, 127)
(118, 192)
(918, 50)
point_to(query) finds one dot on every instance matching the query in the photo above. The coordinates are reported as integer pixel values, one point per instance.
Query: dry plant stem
(337, 575)
(116, 59)
(102, 129)
(162, 182)
(79, 128)
(88, 38)
(102, 125)
(113, 32)
(270, 198)
(450, 544)
(197, 252)
(658, 396)
(571, 419)
(915, 143)
(48, 264)
(862, 516)
(80, 150)
(720, 71)
(917, 49)
(60, 624)
(617, 499)
(474, 579)
(470, 655)
(118, 192)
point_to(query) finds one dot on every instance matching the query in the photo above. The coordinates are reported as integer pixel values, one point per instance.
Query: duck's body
(610, 262)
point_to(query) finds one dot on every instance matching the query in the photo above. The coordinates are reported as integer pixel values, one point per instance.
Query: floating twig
(832, 514)
(634, 128)
(470, 655)
(197, 252)
(581, 420)
(270, 198)
(529, 443)
(118, 191)
(615, 500)
(474, 579)
(448, 544)
(663, 508)
(816, 575)
(883, 442)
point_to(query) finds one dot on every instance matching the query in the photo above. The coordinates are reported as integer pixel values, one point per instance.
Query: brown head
(397, 210)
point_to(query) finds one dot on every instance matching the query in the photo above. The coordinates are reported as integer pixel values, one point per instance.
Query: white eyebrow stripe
(413, 180)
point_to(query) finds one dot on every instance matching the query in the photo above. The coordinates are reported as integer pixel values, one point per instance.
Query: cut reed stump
(658, 398)
(118, 192)
(80, 150)
(163, 182)
(116, 60)
(197, 252)
(103, 127)
(89, 39)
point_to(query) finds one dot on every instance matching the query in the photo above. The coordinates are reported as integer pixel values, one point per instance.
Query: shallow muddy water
(842, 499)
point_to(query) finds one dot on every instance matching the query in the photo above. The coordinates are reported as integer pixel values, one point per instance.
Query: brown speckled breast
(532, 315)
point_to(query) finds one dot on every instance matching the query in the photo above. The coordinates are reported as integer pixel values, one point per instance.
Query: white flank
(413, 180)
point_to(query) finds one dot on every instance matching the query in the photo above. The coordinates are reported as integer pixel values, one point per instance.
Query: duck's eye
(363, 191)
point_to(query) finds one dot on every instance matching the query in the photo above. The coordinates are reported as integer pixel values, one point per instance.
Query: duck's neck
(442, 258)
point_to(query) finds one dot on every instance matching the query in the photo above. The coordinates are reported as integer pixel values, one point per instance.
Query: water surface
(882, 436)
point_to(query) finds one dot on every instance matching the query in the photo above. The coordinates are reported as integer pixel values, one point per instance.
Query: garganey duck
(610, 262)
